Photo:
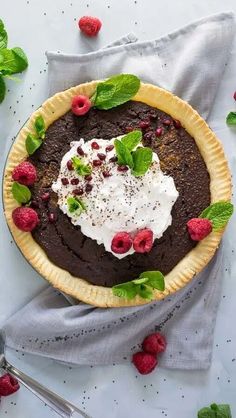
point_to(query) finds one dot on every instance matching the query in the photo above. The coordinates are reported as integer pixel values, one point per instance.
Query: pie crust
(220, 189)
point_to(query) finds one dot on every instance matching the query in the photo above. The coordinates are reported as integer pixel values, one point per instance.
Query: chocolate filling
(64, 243)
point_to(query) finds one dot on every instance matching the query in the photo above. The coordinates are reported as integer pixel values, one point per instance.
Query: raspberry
(234, 96)
(143, 241)
(26, 219)
(89, 25)
(25, 173)
(154, 344)
(8, 385)
(199, 228)
(80, 151)
(80, 105)
(121, 243)
(144, 362)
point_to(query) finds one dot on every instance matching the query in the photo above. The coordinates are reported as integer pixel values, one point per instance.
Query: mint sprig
(231, 119)
(218, 213)
(76, 205)
(143, 286)
(12, 61)
(20, 192)
(34, 141)
(80, 167)
(215, 411)
(138, 160)
(115, 91)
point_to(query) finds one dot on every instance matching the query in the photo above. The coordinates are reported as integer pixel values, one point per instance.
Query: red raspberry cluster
(145, 361)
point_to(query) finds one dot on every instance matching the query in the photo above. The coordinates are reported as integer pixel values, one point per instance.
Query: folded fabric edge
(143, 44)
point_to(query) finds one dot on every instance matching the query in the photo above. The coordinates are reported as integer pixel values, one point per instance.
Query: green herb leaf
(206, 413)
(123, 154)
(115, 91)
(215, 411)
(2, 89)
(144, 291)
(81, 168)
(3, 36)
(132, 139)
(125, 290)
(140, 281)
(142, 158)
(76, 205)
(20, 192)
(32, 143)
(219, 213)
(39, 125)
(12, 61)
(155, 279)
(231, 119)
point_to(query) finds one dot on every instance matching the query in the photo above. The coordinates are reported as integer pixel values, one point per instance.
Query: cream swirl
(119, 202)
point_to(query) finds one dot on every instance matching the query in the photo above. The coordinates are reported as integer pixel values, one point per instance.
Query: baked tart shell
(220, 189)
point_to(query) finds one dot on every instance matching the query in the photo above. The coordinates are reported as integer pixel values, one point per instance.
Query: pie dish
(188, 151)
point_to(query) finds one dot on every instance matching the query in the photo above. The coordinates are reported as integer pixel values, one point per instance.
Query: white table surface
(114, 391)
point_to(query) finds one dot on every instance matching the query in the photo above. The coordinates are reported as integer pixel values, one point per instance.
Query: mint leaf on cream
(115, 91)
(81, 168)
(76, 205)
(142, 159)
(20, 192)
(231, 119)
(40, 128)
(143, 286)
(32, 143)
(132, 139)
(218, 213)
(123, 154)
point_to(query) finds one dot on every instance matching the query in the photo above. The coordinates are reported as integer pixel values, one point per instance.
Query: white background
(115, 391)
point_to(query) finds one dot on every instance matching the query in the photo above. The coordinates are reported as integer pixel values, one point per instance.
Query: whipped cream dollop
(119, 202)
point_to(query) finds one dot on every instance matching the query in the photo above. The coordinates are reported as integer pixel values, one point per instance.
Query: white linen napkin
(190, 63)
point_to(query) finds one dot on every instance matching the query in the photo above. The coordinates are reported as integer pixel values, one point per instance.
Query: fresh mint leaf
(12, 61)
(223, 411)
(206, 413)
(142, 159)
(20, 192)
(140, 280)
(81, 168)
(2, 89)
(116, 91)
(215, 411)
(231, 119)
(39, 125)
(3, 36)
(132, 139)
(125, 290)
(76, 205)
(32, 143)
(155, 279)
(144, 291)
(123, 154)
(219, 213)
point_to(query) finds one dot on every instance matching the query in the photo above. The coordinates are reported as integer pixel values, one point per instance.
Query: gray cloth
(190, 63)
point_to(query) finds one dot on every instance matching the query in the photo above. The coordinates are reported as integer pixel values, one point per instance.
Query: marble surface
(114, 391)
